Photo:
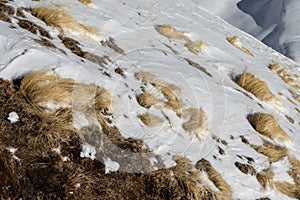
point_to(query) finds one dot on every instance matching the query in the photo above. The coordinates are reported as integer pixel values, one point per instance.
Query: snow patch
(110, 166)
(88, 151)
(13, 117)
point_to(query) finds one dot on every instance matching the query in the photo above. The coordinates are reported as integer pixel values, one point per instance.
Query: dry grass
(44, 87)
(55, 15)
(197, 122)
(257, 87)
(196, 46)
(214, 176)
(147, 100)
(286, 75)
(294, 172)
(86, 2)
(171, 32)
(235, 41)
(291, 190)
(150, 120)
(267, 125)
(265, 178)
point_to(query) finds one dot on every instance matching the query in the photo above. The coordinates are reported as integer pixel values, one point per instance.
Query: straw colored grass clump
(196, 47)
(45, 87)
(289, 189)
(286, 75)
(273, 152)
(294, 172)
(265, 178)
(150, 120)
(147, 99)
(55, 15)
(257, 87)
(171, 32)
(197, 122)
(235, 41)
(267, 125)
(86, 2)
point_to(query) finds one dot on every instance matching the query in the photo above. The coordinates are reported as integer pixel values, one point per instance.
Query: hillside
(142, 100)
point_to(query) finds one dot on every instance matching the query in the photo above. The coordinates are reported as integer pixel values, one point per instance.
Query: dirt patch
(73, 46)
(245, 168)
(197, 66)
(6, 9)
(20, 12)
(33, 28)
(112, 44)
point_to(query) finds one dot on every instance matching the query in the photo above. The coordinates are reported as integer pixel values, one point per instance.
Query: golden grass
(273, 152)
(190, 179)
(286, 75)
(55, 15)
(291, 190)
(197, 122)
(235, 41)
(265, 178)
(294, 171)
(150, 120)
(170, 91)
(147, 100)
(257, 87)
(86, 2)
(267, 125)
(171, 32)
(214, 176)
(196, 46)
(44, 87)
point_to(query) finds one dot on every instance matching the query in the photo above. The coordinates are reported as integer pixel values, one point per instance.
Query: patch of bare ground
(5, 12)
(33, 28)
(197, 66)
(112, 44)
(73, 46)
(245, 168)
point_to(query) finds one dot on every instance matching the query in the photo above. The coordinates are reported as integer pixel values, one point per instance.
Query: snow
(88, 151)
(222, 100)
(274, 22)
(13, 117)
(110, 166)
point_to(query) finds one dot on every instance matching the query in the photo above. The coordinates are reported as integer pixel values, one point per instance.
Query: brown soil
(73, 46)
(33, 28)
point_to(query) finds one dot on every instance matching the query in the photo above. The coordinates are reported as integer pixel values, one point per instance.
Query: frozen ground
(199, 81)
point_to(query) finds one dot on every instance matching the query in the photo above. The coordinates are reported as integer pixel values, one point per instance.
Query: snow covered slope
(274, 22)
(173, 71)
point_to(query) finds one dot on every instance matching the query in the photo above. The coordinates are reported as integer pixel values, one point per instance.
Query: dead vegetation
(265, 178)
(86, 2)
(197, 122)
(112, 44)
(171, 32)
(267, 125)
(294, 171)
(235, 41)
(197, 66)
(150, 120)
(286, 75)
(74, 47)
(289, 189)
(245, 168)
(5, 12)
(33, 28)
(147, 99)
(257, 87)
(43, 173)
(55, 15)
(196, 47)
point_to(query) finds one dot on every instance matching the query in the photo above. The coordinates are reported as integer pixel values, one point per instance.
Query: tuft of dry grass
(197, 122)
(273, 152)
(267, 125)
(265, 178)
(55, 15)
(291, 190)
(214, 176)
(86, 2)
(171, 32)
(235, 41)
(44, 87)
(150, 120)
(294, 171)
(196, 46)
(147, 99)
(257, 87)
(286, 75)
